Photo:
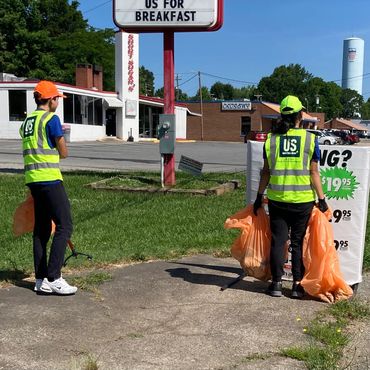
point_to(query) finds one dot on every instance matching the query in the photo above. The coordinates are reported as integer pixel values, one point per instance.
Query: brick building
(233, 120)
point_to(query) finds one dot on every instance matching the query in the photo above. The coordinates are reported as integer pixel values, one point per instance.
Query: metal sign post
(169, 99)
(168, 16)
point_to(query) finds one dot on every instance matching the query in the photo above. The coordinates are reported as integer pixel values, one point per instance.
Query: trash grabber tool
(74, 253)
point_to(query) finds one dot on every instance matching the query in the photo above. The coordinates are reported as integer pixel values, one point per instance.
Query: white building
(88, 113)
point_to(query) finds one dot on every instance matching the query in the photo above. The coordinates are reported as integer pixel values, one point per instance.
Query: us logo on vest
(29, 127)
(290, 146)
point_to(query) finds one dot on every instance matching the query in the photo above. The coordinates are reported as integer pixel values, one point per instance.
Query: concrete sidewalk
(158, 315)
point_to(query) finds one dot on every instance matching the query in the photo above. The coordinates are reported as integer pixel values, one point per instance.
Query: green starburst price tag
(338, 183)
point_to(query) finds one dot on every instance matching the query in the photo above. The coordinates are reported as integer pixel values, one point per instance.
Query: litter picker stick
(75, 254)
(233, 282)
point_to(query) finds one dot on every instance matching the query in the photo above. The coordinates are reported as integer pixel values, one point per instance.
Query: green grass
(90, 363)
(117, 227)
(91, 282)
(121, 227)
(313, 356)
(329, 335)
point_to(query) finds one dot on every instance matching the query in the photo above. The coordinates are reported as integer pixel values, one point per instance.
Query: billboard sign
(345, 178)
(165, 15)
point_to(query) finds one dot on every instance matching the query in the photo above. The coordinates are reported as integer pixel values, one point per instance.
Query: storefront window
(98, 111)
(68, 108)
(78, 111)
(17, 105)
(83, 109)
(90, 110)
(148, 120)
(245, 126)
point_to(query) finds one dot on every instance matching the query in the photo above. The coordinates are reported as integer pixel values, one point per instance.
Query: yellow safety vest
(41, 162)
(289, 158)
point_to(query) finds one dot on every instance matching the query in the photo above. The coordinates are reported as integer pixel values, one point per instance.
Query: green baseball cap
(290, 104)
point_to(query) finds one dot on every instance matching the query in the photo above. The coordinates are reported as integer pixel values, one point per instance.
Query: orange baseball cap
(48, 90)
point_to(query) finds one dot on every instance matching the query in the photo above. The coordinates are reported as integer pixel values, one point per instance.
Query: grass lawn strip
(329, 335)
(119, 227)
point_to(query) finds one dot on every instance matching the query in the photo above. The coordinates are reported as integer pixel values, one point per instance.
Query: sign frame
(159, 29)
(236, 106)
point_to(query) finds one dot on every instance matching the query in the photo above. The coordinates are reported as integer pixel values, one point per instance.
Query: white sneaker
(60, 286)
(42, 286)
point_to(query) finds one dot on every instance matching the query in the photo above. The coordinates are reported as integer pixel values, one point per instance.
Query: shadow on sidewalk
(16, 277)
(217, 280)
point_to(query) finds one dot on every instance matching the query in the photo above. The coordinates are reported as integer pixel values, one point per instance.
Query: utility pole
(177, 85)
(201, 107)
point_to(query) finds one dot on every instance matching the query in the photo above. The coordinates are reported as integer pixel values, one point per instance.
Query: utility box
(167, 133)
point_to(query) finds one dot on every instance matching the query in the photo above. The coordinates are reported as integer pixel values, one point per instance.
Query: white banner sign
(345, 177)
(165, 13)
(236, 105)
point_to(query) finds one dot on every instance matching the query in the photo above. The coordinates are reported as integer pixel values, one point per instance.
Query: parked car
(360, 133)
(255, 136)
(346, 136)
(338, 139)
(323, 138)
(352, 139)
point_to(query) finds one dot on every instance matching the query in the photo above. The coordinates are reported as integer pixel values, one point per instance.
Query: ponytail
(285, 123)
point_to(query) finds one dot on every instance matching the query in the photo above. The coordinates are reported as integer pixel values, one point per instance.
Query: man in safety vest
(43, 145)
(292, 178)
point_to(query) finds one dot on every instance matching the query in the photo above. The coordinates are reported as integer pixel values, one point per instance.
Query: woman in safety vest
(43, 145)
(292, 178)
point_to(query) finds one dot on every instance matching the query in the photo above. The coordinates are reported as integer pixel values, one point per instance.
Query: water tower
(353, 64)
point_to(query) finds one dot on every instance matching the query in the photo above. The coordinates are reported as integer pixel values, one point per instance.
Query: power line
(178, 73)
(97, 6)
(350, 78)
(187, 80)
(230, 79)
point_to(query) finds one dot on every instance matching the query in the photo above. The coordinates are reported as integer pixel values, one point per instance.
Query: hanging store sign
(236, 105)
(162, 15)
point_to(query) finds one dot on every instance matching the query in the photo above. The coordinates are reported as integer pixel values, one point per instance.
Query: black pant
(285, 216)
(51, 203)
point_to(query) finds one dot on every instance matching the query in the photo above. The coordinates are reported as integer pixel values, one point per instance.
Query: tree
(87, 47)
(246, 92)
(45, 39)
(179, 94)
(159, 93)
(285, 80)
(222, 91)
(146, 81)
(206, 95)
(329, 94)
(352, 103)
(365, 110)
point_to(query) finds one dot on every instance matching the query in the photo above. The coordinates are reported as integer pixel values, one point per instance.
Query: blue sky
(256, 37)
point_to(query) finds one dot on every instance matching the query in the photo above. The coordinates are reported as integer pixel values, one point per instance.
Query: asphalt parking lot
(117, 155)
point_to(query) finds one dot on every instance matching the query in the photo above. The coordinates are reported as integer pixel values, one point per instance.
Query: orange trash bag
(252, 247)
(24, 218)
(323, 278)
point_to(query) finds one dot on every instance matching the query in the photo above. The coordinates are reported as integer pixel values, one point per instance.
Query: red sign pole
(169, 98)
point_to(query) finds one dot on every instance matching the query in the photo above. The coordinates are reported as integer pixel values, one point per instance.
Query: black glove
(257, 203)
(323, 207)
